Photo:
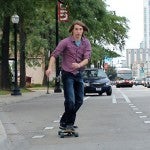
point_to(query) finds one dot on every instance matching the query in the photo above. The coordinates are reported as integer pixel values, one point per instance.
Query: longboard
(67, 132)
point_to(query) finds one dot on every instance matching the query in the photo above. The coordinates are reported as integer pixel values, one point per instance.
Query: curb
(4, 143)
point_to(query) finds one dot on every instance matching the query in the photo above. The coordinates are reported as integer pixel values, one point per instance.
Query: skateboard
(67, 132)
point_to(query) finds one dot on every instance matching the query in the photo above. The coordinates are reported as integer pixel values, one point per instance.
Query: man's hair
(80, 23)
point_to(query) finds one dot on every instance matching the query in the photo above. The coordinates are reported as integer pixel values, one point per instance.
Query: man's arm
(50, 66)
(81, 64)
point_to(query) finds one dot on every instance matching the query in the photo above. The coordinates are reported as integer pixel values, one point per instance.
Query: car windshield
(148, 79)
(125, 76)
(138, 79)
(94, 73)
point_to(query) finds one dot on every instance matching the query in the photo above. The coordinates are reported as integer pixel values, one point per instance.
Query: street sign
(62, 12)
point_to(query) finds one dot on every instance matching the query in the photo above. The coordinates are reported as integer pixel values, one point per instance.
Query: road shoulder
(4, 142)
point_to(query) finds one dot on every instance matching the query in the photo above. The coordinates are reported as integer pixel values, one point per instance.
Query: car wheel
(109, 92)
(100, 93)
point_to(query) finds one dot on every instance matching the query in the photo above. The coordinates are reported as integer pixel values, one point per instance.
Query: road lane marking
(48, 128)
(146, 122)
(133, 106)
(114, 101)
(56, 121)
(135, 109)
(138, 112)
(126, 98)
(38, 136)
(143, 116)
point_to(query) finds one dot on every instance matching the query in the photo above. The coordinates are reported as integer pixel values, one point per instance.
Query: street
(117, 122)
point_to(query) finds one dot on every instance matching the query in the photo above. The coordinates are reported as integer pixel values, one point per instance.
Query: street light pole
(57, 79)
(16, 90)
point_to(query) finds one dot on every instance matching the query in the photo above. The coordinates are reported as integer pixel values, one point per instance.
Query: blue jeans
(73, 94)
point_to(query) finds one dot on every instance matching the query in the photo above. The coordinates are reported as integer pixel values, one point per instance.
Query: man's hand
(48, 72)
(75, 65)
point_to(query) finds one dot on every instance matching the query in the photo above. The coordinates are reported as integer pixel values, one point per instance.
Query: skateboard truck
(68, 131)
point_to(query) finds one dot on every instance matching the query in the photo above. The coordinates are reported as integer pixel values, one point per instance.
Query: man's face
(77, 31)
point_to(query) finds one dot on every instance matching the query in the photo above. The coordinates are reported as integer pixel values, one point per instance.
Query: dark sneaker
(70, 127)
(62, 126)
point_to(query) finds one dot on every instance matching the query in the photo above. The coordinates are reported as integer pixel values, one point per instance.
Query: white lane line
(133, 106)
(147, 122)
(135, 109)
(38, 136)
(48, 128)
(143, 116)
(114, 100)
(126, 98)
(56, 121)
(138, 112)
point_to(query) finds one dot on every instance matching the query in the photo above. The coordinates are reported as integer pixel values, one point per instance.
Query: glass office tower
(147, 29)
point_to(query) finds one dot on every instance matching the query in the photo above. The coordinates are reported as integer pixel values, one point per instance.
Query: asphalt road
(117, 122)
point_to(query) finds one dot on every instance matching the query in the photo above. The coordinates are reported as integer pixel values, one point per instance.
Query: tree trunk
(22, 54)
(5, 83)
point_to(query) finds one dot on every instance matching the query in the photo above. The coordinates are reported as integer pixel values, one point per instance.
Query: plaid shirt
(72, 53)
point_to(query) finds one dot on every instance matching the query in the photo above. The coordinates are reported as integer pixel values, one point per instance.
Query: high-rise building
(135, 61)
(139, 59)
(147, 35)
(146, 24)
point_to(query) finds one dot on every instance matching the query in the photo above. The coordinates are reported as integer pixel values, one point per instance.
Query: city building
(139, 59)
(146, 24)
(136, 61)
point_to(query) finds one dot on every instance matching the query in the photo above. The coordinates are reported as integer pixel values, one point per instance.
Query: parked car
(96, 81)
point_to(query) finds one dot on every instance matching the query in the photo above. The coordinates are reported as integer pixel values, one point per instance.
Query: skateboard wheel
(59, 132)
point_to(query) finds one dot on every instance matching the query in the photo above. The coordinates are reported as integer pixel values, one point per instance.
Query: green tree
(111, 73)
(37, 28)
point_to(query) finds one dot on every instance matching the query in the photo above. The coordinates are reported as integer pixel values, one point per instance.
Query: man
(76, 52)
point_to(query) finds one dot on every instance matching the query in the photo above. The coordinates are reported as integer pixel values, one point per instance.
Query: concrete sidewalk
(8, 99)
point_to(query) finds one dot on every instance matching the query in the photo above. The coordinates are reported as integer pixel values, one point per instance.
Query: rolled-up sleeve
(88, 49)
(59, 49)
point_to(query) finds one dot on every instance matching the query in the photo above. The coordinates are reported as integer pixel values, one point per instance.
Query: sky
(133, 10)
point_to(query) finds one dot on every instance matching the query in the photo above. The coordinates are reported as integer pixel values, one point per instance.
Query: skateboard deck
(67, 132)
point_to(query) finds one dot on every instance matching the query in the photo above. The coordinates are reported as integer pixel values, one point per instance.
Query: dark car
(96, 81)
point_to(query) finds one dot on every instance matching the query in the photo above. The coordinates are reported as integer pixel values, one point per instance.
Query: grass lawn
(5, 92)
(25, 90)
